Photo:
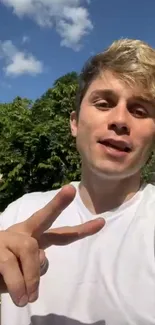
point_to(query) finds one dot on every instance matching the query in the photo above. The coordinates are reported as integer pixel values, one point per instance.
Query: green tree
(56, 160)
(37, 152)
(148, 171)
(15, 124)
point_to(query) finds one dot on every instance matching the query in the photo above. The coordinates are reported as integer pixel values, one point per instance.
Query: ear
(73, 124)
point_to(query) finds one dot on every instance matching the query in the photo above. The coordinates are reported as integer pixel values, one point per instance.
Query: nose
(119, 120)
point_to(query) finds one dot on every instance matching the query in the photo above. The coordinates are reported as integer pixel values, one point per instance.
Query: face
(115, 130)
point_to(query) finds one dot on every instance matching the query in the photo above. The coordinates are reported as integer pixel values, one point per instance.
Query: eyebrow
(143, 99)
(103, 92)
(111, 93)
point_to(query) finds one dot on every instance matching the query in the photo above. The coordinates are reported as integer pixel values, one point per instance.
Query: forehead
(112, 82)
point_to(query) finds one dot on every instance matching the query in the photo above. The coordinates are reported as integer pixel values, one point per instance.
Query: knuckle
(30, 244)
(6, 259)
(32, 284)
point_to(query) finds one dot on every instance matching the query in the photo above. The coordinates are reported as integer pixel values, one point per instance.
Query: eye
(102, 105)
(139, 112)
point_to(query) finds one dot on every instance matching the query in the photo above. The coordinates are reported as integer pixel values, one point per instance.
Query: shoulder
(149, 192)
(147, 198)
(146, 206)
(25, 206)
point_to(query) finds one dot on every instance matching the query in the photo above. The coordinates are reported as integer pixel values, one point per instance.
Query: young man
(109, 277)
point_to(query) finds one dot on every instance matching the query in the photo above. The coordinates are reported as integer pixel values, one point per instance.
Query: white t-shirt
(106, 279)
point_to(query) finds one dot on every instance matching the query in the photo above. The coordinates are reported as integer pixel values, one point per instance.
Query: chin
(113, 173)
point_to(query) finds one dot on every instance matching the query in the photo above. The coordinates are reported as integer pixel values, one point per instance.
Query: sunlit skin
(112, 109)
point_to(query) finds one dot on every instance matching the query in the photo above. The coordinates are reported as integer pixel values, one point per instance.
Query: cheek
(85, 127)
(85, 135)
(145, 142)
(144, 134)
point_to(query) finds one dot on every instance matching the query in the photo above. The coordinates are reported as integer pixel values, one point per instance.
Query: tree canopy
(37, 151)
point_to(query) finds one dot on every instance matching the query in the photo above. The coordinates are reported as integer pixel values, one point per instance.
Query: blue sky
(40, 43)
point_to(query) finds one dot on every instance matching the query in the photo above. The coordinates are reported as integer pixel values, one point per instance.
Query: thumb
(44, 264)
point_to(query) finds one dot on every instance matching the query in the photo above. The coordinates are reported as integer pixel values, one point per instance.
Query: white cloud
(17, 62)
(25, 39)
(69, 17)
(78, 17)
(22, 64)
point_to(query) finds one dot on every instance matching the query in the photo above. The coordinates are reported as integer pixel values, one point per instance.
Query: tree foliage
(37, 152)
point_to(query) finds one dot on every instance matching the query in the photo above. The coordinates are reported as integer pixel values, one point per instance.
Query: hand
(22, 247)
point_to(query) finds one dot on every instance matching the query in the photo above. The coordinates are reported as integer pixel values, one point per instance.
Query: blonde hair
(132, 60)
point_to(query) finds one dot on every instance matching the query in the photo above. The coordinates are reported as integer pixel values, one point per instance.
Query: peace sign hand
(22, 256)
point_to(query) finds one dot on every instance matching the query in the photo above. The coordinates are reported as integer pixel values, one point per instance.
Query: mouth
(121, 146)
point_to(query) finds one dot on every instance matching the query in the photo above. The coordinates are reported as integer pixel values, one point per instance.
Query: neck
(100, 195)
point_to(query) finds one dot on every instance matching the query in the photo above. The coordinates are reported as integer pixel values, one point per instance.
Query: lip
(118, 143)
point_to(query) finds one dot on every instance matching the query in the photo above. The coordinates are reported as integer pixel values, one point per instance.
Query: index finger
(42, 220)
